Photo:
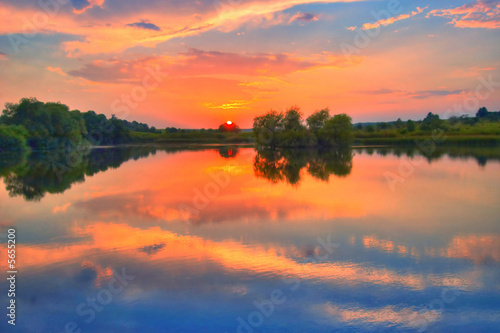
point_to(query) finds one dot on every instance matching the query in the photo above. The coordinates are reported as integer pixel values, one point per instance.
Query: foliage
(138, 127)
(103, 131)
(266, 127)
(482, 113)
(275, 129)
(49, 125)
(337, 131)
(431, 122)
(53, 126)
(483, 129)
(13, 138)
(410, 125)
(317, 120)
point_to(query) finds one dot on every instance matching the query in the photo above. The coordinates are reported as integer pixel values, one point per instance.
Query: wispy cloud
(435, 93)
(391, 20)
(480, 14)
(143, 24)
(307, 17)
(112, 70)
(195, 62)
(381, 91)
(418, 94)
(230, 105)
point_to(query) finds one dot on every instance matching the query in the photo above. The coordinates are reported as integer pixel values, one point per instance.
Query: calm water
(231, 240)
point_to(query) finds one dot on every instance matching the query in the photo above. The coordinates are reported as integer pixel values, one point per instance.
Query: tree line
(484, 122)
(38, 125)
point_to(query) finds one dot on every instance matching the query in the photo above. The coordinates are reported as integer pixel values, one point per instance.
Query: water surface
(237, 240)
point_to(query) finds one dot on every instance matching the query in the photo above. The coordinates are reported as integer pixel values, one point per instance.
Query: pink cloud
(91, 3)
(196, 62)
(481, 14)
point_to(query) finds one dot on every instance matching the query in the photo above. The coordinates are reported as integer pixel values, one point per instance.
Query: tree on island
(276, 129)
(317, 120)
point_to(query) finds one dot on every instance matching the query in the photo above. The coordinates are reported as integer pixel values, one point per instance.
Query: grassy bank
(198, 136)
(444, 140)
(247, 137)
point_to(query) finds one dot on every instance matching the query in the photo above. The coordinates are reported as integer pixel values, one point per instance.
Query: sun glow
(229, 122)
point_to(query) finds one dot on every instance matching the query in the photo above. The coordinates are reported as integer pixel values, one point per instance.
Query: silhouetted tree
(482, 113)
(431, 122)
(225, 127)
(317, 120)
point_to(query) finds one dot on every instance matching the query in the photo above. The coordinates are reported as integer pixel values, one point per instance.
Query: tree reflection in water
(278, 165)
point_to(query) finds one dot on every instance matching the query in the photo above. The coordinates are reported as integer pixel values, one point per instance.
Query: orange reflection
(372, 242)
(405, 316)
(234, 256)
(479, 249)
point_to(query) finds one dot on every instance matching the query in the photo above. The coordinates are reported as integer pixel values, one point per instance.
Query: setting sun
(229, 122)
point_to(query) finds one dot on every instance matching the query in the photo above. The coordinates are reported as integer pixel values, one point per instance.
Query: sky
(196, 64)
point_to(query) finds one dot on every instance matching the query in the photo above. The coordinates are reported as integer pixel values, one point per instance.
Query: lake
(230, 239)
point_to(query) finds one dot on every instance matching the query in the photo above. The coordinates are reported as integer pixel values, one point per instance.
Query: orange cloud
(56, 70)
(101, 36)
(230, 105)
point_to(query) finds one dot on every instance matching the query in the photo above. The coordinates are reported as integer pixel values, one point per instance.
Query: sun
(229, 122)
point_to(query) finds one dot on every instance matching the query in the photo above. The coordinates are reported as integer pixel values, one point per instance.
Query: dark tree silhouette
(229, 127)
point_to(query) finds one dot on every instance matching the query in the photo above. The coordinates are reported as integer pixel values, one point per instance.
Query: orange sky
(199, 63)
